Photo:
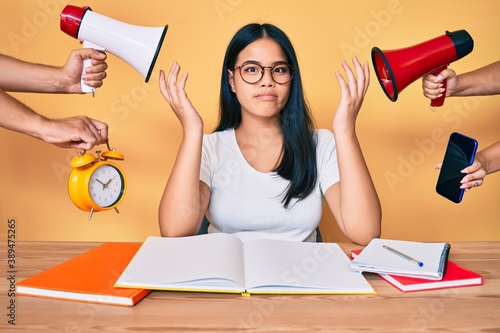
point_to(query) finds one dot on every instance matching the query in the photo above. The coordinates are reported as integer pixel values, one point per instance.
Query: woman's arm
(353, 200)
(185, 198)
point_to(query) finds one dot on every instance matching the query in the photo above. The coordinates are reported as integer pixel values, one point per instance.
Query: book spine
(444, 259)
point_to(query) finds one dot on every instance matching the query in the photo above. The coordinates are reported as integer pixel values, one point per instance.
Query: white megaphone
(138, 46)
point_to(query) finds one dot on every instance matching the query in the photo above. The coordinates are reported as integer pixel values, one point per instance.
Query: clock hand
(103, 185)
(109, 181)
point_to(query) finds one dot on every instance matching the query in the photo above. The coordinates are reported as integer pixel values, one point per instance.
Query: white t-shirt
(248, 203)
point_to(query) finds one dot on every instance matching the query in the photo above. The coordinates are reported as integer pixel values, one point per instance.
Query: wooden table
(467, 309)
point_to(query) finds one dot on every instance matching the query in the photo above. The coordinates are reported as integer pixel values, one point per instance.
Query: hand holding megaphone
(87, 63)
(436, 85)
(138, 46)
(396, 69)
(439, 101)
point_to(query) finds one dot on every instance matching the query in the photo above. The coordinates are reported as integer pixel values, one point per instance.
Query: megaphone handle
(88, 63)
(439, 101)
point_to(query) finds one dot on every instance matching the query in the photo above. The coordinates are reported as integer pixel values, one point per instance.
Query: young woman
(265, 171)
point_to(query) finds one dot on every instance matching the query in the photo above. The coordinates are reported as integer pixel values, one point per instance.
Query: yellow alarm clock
(95, 183)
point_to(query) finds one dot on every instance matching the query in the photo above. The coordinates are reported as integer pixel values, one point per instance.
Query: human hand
(474, 177)
(93, 76)
(352, 94)
(175, 94)
(432, 85)
(78, 132)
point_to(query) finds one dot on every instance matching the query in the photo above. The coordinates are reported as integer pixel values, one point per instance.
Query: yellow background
(402, 141)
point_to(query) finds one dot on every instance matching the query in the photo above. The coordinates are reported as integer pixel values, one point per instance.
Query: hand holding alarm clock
(96, 183)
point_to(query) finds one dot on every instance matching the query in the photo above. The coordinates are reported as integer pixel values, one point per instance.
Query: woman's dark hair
(298, 164)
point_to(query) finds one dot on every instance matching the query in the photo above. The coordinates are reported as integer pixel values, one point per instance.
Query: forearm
(17, 117)
(482, 81)
(20, 76)
(180, 208)
(490, 158)
(359, 203)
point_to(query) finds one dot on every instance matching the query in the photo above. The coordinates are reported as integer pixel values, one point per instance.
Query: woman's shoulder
(325, 141)
(218, 137)
(324, 134)
(219, 134)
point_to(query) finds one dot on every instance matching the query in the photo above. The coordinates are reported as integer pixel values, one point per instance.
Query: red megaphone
(396, 69)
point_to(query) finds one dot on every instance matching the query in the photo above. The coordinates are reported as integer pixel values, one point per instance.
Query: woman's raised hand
(175, 94)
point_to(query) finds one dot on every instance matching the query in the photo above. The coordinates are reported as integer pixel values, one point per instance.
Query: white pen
(404, 256)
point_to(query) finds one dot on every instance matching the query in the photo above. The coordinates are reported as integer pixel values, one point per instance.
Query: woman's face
(266, 98)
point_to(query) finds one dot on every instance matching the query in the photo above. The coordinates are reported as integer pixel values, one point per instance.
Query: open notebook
(223, 263)
(455, 276)
(407, 258)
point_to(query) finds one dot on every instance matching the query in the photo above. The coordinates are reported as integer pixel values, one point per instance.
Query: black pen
(404, 256)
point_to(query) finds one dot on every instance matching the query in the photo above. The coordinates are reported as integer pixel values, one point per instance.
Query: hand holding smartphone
(459, 154)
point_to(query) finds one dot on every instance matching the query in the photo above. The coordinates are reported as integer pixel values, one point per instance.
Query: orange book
(89, 277)
(454, 276)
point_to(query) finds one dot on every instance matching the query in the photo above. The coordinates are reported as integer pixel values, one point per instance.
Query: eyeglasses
(252, 72)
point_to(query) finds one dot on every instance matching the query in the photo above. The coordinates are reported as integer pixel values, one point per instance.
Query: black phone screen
(459, 154)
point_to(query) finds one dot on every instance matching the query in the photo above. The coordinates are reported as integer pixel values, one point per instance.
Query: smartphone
(459, 154)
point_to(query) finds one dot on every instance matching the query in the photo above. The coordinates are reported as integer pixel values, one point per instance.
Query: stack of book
(413, 266)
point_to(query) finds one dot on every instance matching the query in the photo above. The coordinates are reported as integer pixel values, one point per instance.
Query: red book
(454, 276)
(89, 277)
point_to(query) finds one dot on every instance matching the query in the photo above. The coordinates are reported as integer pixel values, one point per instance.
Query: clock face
(106, 185)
